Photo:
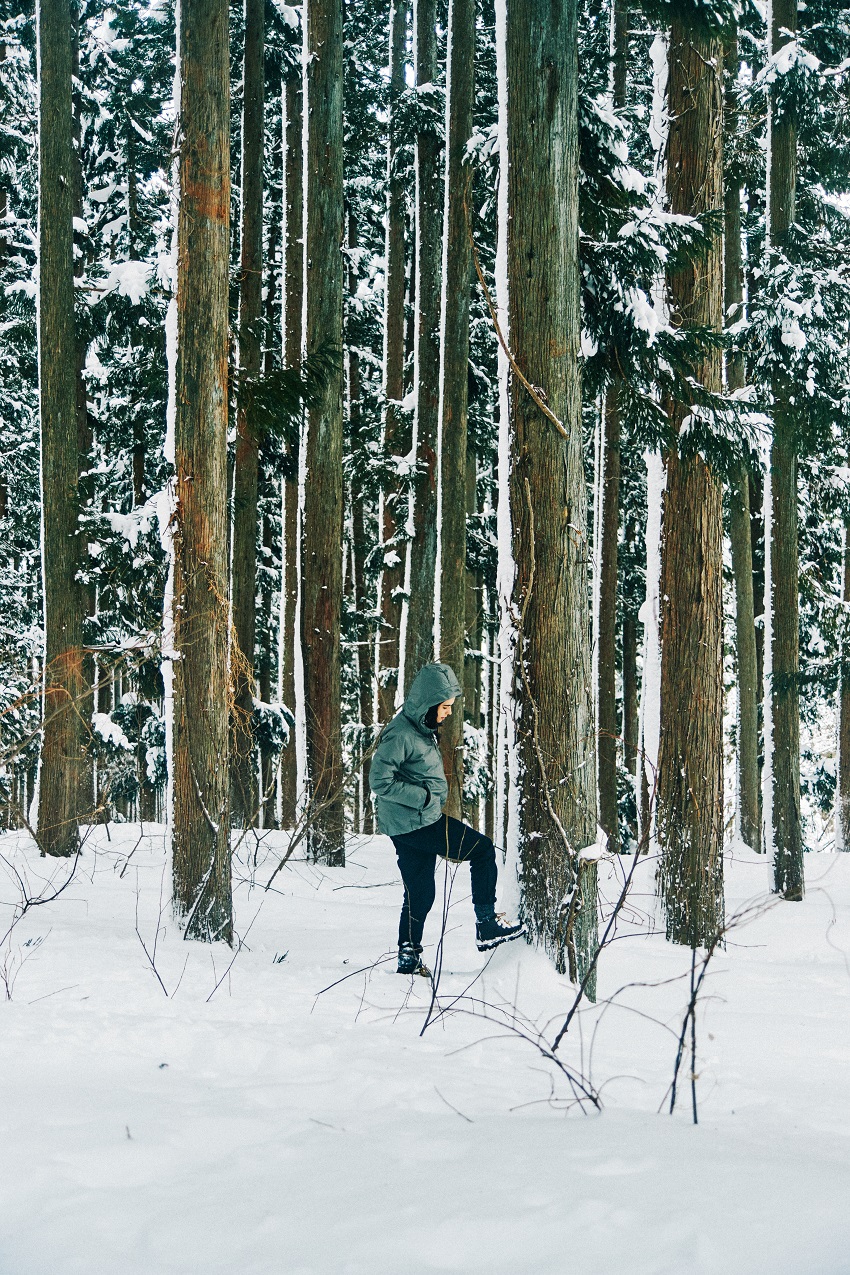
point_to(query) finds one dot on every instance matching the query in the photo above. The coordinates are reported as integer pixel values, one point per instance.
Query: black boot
(492, 931)
(409, 961)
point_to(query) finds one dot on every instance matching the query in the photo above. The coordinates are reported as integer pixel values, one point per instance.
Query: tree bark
(321, 610)
(293, 284)
(690, 767)
(740, 532)
(202, 889)
(788, 872)
(460, 90)
(62, 761)
(244, 796)
(392, 510)
(555, 730)
(423, 546)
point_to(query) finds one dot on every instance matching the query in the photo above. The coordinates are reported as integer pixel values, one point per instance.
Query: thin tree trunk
(631, 712)
(321, 611)
(423, 546)
(455, 377)
(264, 675)
(555, 731)
(64, 683)
(293, 283)
(740, 532)
(244, 797)
(474, 609)
(393, 512)
(842, 802)
(87, 809)
(360, 546)
(788, 872)
(690, 765)
(606, 690)
(606, 660)
(201, 840)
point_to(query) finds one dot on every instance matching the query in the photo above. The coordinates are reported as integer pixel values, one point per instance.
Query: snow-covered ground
(285, 1115)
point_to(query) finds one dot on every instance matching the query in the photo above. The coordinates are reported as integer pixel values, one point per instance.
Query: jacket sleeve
(384, 779)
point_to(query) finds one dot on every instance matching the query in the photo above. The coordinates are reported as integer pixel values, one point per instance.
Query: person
(409, 785)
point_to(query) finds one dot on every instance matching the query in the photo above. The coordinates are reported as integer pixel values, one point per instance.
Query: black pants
(418, 852)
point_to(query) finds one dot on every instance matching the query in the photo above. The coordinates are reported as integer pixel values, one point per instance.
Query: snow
(110, 731)
(251, 1113)
(129, 279)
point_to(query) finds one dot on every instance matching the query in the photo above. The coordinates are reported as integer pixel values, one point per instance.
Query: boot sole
(489, 944)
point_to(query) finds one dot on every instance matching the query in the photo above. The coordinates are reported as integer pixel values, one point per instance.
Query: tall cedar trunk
(292, 306)
(87, 804)
(392, 576)
(244, 796)
(474, 610)
(740, 533)
(606, 688)
(363, 605)
(788, 874)
(62, 765)
(423, 547)
(455, 376)
(269, 662)
(321, 610)
(202, 890)
(842, 804)
(555, 735)
(264, 676)
(739, 520)
(690, 764)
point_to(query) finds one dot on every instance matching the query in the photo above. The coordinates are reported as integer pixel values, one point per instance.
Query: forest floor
(283, 1114)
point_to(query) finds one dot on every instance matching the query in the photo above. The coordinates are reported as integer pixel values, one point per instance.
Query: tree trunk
(423, 546)
(264, 677)
(606, 690)
(321, 610)
(788, 873)
(87, 807)
(555, 732)
(630, 692)
(293, 283)
(244, 796)
(474, 609)
(740, 533)
(393, 513)
(455, 377)
(842, 796)
(606, 660)
(202, 889)
(363, 605)
(690, 766)
(62, 762)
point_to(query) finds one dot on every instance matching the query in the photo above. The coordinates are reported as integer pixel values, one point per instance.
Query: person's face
(444, 710)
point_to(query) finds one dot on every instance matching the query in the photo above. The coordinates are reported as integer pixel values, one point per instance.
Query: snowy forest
(342, 338)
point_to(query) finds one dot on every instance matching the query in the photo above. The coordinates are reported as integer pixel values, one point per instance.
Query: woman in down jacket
(409, 785)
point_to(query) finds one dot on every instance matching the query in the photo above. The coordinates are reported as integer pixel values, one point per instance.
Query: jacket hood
(432, 685)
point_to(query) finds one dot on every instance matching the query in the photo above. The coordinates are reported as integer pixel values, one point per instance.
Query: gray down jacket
(406, 775)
